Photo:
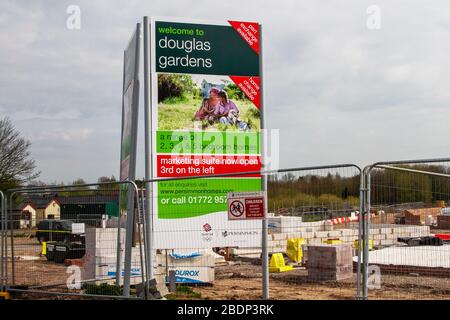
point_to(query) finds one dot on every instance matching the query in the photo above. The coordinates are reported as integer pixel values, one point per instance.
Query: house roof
(89, 199)
(26, 205)
(42, 201)
(39, 201)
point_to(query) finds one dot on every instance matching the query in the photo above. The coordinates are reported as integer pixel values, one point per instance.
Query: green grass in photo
(178, 114)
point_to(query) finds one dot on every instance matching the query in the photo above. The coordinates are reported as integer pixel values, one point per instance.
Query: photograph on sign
(204, 102)
(206, 120)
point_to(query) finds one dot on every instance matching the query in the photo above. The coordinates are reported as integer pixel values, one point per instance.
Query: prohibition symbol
(237, 208)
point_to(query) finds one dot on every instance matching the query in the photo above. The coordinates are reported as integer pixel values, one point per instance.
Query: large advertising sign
(206, 120)
(130, 111)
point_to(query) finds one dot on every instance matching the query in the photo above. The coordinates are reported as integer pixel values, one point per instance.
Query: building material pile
(380, 234)
(101, 256)
(423, 260)
(190, 266)
(330, 262)
(443, 222)
(418, 216)
(316, 233)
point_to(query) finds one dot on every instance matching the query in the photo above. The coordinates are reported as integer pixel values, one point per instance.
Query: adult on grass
(228, 113)
(209, 106)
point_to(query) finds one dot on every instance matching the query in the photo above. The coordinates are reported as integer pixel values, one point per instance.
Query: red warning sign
(246, 205)
(237, 208)
(254, 208)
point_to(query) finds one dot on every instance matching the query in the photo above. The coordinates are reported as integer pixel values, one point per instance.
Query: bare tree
(109, 184)
(104, 179)
(38, 183)
(16, 165)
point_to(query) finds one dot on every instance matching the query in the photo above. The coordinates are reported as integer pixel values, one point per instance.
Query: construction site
(222, 193)
(408, 271)
(314, 251)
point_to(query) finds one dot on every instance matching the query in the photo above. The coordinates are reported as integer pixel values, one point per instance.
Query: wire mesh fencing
(2, 242)
(409, 230)
(313, 227)
(71, 240)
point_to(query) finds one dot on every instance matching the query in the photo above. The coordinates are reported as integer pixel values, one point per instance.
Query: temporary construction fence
(73, 240)
(406, 252)
(331, 232)
(303, 204)
(307, 249)
(3, 229)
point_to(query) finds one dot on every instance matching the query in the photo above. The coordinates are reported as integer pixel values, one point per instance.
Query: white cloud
(77, 135)
(59, 115)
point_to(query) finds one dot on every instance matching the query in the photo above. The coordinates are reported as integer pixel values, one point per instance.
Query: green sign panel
(203, 49)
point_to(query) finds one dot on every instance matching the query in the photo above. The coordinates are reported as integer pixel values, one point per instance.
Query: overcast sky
(338, 91)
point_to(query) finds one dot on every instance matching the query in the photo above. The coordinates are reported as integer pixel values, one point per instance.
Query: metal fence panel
(313, 224)
(66, 240)
(409, 257)
(2, 241)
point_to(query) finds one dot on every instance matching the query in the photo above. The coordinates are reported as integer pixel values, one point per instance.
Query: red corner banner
(250, 86)
(249, 31)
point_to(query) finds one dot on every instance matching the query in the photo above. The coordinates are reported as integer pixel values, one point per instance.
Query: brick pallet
(443, 221)
(330, 262)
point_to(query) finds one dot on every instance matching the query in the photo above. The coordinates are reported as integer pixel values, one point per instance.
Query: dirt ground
(242, 281)
(32, 269)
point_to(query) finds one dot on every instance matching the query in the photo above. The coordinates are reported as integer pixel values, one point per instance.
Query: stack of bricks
(385, 235)
(443, 221)
(330, 262)
(381, 235)
(418, 216)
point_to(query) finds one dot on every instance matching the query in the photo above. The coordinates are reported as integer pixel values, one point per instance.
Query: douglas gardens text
(189, 46)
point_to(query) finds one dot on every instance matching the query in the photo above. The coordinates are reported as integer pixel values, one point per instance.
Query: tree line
(393, 187)
(388, 187)
(18, 168)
